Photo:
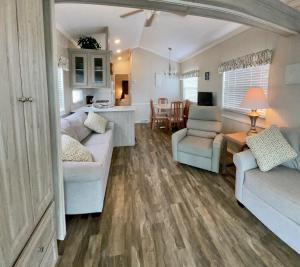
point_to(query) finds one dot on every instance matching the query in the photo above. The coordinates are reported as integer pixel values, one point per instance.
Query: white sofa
(273, 196)
(85, 182)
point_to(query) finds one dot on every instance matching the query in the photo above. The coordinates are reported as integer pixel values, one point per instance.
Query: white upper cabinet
(90, 68)
(79, 70)
(98, 71)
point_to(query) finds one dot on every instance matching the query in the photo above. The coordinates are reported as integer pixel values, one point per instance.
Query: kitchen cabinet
(90, 68)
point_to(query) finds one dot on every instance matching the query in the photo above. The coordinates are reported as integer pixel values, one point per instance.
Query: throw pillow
(270, 148)
(72, 150)
(96, 123)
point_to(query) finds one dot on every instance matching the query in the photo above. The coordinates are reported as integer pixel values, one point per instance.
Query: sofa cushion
(292, 135)
(76, 121)
(100, 152)
(270, 148)
(196, 145)
(94, 139)
(72, 150)
(279, 188)
(66, 128)
(96, 122)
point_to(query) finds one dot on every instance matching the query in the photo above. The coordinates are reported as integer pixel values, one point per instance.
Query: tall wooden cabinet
(26, 186)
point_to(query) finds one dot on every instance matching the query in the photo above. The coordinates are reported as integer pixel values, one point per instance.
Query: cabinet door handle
(29, 99)
(41, 249)
(22, 99)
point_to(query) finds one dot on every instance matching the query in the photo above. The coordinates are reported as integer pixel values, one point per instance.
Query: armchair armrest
(243, 161)
(176, 138)
(217, 148)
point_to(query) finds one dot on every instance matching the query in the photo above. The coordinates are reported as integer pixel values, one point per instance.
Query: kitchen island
(123, 118)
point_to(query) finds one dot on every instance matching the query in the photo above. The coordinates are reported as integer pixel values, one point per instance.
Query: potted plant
(88, 42)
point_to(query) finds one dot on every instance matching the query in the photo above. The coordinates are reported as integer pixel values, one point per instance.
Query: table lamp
(254, 99)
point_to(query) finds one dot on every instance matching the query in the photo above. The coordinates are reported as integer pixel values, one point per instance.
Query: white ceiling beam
(265, 14)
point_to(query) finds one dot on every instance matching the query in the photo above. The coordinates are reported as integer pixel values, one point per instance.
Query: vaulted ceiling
(184, 34)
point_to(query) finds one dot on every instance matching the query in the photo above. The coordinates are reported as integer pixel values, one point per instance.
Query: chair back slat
(163, 100)
(176, 110)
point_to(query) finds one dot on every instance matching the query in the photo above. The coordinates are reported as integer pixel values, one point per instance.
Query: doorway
(122, 90)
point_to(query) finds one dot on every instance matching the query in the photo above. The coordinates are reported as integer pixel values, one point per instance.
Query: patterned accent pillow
(72, 150)
(96, 123)
(270, 148)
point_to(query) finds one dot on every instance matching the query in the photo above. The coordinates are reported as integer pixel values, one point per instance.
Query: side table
(238, 139)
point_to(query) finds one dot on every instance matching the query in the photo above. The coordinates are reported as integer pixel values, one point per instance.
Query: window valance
(190, 74)
(63, 63)
(252, 60)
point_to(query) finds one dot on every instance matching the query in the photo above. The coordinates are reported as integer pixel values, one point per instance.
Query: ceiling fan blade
(131, 13)
(149, 21)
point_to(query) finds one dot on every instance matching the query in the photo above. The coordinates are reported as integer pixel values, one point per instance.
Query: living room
(165, 133)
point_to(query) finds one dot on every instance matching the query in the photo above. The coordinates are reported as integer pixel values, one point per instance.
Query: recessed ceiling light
(117, 41)
(119, 58)
(119, 51)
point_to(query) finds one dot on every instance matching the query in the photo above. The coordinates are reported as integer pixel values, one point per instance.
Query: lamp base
(253, 115)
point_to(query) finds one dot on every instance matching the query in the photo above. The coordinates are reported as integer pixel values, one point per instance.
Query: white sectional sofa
(273, 196)
(85, 182)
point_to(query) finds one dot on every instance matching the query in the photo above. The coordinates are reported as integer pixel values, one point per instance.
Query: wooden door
(16, 216)
(34, 85)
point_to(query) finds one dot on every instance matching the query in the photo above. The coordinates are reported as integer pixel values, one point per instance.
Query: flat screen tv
(205, 99)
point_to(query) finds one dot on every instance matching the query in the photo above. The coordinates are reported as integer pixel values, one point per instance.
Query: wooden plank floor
(159, 213)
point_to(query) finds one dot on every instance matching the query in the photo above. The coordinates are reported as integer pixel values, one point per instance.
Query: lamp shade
(255, 99)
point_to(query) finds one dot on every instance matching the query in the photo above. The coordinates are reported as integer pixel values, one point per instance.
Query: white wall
(144, 66)
(62, 50)
(284, 100)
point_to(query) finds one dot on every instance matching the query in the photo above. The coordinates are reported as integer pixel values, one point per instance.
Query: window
(190, 89)
(237, 82)
(77, 96)
(61, 94)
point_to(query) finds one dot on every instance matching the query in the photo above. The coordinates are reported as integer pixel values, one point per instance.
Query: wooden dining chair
(176, 115)
(163, 100)
(186, 111)
(157, 118)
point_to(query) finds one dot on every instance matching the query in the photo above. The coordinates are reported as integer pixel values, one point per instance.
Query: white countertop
(111, 109)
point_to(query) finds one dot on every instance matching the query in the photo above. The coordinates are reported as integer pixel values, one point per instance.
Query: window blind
(61, 94)
(190, 89)
(237, 82)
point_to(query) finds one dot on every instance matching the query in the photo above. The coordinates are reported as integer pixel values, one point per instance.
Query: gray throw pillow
(270, 148)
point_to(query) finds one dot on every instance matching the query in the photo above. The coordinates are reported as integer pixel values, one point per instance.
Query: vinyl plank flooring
(161, 213)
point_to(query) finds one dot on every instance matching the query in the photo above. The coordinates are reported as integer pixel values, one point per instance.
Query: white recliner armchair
(200, 144)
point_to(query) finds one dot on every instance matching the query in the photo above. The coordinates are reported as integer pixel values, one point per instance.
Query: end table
(238, 139)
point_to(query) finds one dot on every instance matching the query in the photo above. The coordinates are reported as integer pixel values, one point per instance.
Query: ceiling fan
(149, 20)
